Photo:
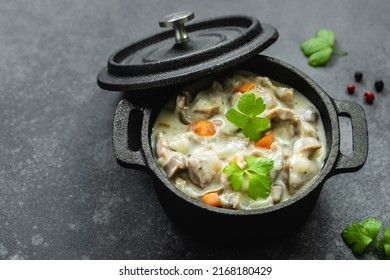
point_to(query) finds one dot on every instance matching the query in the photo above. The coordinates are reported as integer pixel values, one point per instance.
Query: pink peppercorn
(351, 88)
(369, 96)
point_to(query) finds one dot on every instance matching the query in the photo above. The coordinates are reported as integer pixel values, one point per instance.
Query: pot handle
(356, 159)
(125, 156)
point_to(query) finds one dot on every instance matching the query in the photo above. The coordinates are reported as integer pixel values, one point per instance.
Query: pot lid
(185, 53)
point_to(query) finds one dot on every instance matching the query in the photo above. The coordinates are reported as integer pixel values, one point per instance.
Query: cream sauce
(195, 162)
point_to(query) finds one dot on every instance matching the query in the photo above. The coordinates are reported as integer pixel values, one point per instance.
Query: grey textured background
(62, 194)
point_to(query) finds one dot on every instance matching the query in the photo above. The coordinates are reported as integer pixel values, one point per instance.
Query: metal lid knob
(177, 21)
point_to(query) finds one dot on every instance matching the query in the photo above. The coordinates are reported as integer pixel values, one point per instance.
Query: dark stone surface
(62, 194)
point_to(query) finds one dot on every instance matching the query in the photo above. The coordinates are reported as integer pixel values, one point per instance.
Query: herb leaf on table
(359, 236)
(319, 48)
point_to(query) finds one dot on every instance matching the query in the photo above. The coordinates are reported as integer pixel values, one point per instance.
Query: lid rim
(260, 37)
(115, 66)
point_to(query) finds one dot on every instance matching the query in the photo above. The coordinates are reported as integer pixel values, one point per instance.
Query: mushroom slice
(302, 169)
(230, 200)
(277, 193)
(282, 114)
(203, 167)
(306, 145)
(297, 127)
(208, 102)
(285, 95)
(277, 155)
(195, 192)
(290, 121)
(182, 103)
(181, 143)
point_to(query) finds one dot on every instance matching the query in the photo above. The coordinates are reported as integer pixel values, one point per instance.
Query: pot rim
(324, 174)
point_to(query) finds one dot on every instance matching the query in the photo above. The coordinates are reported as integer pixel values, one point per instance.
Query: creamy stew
(193, 141)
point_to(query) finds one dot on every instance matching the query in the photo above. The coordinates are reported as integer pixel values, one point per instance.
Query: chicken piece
(172, 162)
(286, 95)
(162, 146)
(225, 147)
(235, 98)
(175, 163)
(180, 143)
(264, 81)
(269, 99)
(302, 169)
(208, 102)
(184, 141)
(203, 167)
(309, 114)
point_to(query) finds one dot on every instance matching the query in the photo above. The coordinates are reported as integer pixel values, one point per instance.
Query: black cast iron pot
(195, 215)
(156, 68)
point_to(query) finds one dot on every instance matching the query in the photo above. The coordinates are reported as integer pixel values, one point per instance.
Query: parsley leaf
(236, 175)
(386, 242)
(359, 236)
(251, 125)
(320, 48)
(257, 173)
(250, 105)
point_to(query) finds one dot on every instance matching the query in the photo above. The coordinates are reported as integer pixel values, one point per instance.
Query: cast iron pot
(271, 221)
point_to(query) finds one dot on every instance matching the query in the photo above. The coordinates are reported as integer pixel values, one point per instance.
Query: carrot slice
(266, 141)
(203, 127)
(212, 199)
(244, 87)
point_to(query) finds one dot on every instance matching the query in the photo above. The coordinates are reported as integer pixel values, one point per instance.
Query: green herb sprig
(320, 48)
(359, 236)
(250, 107)
(257, 173)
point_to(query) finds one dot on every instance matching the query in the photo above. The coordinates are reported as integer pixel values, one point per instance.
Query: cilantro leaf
(386, 242)
(359, 236)
(251, 125)
(257, 173)
(319, 48)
